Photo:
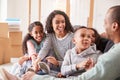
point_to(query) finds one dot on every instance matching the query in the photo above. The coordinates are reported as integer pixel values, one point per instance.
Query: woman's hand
(52, 60)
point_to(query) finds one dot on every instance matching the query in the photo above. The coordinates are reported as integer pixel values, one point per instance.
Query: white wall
(34, 10)
(19, 9)
(78, 14)
(100, 9)
(47, 7)
(3, 9)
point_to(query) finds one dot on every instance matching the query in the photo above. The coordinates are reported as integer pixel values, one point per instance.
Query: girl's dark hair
(28, 36)
(49, 27)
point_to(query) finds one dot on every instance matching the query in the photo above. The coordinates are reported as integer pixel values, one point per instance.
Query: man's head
(112, 22)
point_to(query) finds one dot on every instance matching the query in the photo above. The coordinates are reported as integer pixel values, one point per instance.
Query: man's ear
(115, 26)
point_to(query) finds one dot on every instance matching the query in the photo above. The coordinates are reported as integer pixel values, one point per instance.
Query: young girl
(58, 40)
(79, 59)
(32, 44)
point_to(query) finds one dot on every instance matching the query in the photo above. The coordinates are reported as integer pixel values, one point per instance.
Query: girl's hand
(23, 59)
(35, 64)
(52, 60)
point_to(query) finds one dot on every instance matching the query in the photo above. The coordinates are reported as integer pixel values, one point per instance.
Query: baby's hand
(89, 64)
(81, 65)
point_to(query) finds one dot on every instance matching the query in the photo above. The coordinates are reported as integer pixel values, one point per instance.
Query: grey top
(72, 58)
(58, 46)
(106, 68)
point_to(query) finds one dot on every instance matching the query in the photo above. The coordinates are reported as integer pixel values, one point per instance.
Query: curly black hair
(49, 27)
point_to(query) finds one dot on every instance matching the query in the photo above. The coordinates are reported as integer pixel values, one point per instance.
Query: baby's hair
(28, 36)
(49, 27)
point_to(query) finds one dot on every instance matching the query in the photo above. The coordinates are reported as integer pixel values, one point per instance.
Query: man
(108, 65)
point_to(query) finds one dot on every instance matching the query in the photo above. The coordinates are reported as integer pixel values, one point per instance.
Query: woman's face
(58, 24)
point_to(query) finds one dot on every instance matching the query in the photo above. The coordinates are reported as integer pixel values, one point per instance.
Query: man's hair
(115, 14)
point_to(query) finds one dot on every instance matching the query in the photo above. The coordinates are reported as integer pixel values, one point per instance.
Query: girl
(31, 46)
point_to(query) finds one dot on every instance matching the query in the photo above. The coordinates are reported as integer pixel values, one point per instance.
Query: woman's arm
(46, 47)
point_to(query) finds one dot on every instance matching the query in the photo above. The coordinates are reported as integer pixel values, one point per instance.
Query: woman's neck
(61, 35)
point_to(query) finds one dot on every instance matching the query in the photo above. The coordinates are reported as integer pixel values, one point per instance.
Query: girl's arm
(45, 49)
(31, 50)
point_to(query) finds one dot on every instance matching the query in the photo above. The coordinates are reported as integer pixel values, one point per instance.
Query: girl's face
(37, 33)
(92, 35)
(82, 39)
(58, 24)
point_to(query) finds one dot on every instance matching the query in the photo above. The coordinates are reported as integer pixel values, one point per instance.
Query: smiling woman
(59, 39)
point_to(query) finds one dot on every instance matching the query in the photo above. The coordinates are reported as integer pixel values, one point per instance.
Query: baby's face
(92, 35)
(82, 39)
